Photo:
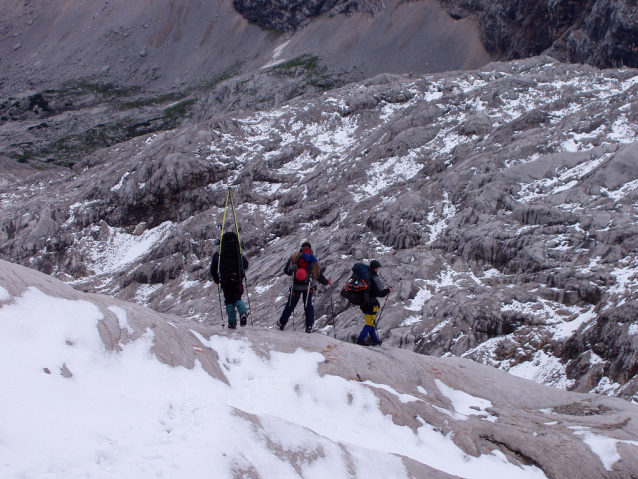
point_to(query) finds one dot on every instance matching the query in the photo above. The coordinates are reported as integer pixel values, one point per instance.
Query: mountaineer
(304, 267)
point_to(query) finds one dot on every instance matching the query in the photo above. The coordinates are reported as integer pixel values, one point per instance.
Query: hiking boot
(242, 320)
(280, 326)
(308, 330)
(361, 343)
(232, 326)
(377, 343)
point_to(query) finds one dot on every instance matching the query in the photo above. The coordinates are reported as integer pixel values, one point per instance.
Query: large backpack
(303, 268)
(358, 285)
(231, 269)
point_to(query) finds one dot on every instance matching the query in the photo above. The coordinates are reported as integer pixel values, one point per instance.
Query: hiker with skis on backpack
(306, 272)
(370, 305)
(228, 269)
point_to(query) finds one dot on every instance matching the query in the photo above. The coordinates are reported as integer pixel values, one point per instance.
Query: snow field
(125, 414)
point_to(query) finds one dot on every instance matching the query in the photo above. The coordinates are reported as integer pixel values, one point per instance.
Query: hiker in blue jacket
(306, 272)
(371, 305)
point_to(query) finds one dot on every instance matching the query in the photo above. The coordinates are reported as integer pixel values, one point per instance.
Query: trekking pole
(250, 309)
(290, 293)
(292, 314)
(305, 302)
(221, 312)
(376, 323)
(332, 309)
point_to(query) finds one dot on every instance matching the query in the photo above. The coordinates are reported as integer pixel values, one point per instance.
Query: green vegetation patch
(306, 62)
(310, 67)
(226, 75)
(107, 90)
(180, 110)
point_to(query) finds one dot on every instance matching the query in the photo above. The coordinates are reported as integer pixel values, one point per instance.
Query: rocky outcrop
(603, 33)
(606, 349)
(292, 15)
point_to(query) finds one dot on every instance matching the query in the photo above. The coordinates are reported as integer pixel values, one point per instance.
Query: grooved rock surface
(513, 245)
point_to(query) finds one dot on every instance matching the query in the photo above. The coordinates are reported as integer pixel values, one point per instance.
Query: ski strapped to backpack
(230, 249)
(358, 285)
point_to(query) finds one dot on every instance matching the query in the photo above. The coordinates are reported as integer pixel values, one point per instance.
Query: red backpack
(302, 274)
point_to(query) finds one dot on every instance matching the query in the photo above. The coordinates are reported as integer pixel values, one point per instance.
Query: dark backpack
(358, 285)
(231, 269)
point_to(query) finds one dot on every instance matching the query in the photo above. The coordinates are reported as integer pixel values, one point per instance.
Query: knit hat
(374, 264)
(306, 244)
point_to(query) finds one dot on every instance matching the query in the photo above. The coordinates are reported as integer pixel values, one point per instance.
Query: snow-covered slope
(95, 387)
(501, 203)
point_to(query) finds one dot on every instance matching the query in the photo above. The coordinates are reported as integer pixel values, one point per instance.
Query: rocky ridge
(500, 201)
(462, 418)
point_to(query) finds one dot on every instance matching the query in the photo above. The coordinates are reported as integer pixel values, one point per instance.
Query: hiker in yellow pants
(371, 308)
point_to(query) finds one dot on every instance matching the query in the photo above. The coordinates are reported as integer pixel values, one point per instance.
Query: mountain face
(77, 76)
(602, 33)
(125, 391)
(500, 202)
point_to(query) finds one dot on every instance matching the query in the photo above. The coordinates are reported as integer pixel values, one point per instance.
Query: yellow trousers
(371, 318)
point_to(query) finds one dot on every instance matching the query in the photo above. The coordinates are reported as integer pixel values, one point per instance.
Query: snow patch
(606, 386)
(4, 294)
(121, 249)
(437, 228)
(419, 300)
(446, 278)
(404, 398)
(262, 288)
(543, 369)
(621, 192)
(144, 291)
(386, 173)
(122, 318)
(411, 321)
(566, 329)
(119, 185)
(606, 448)
(275, 55)
(464, 404)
